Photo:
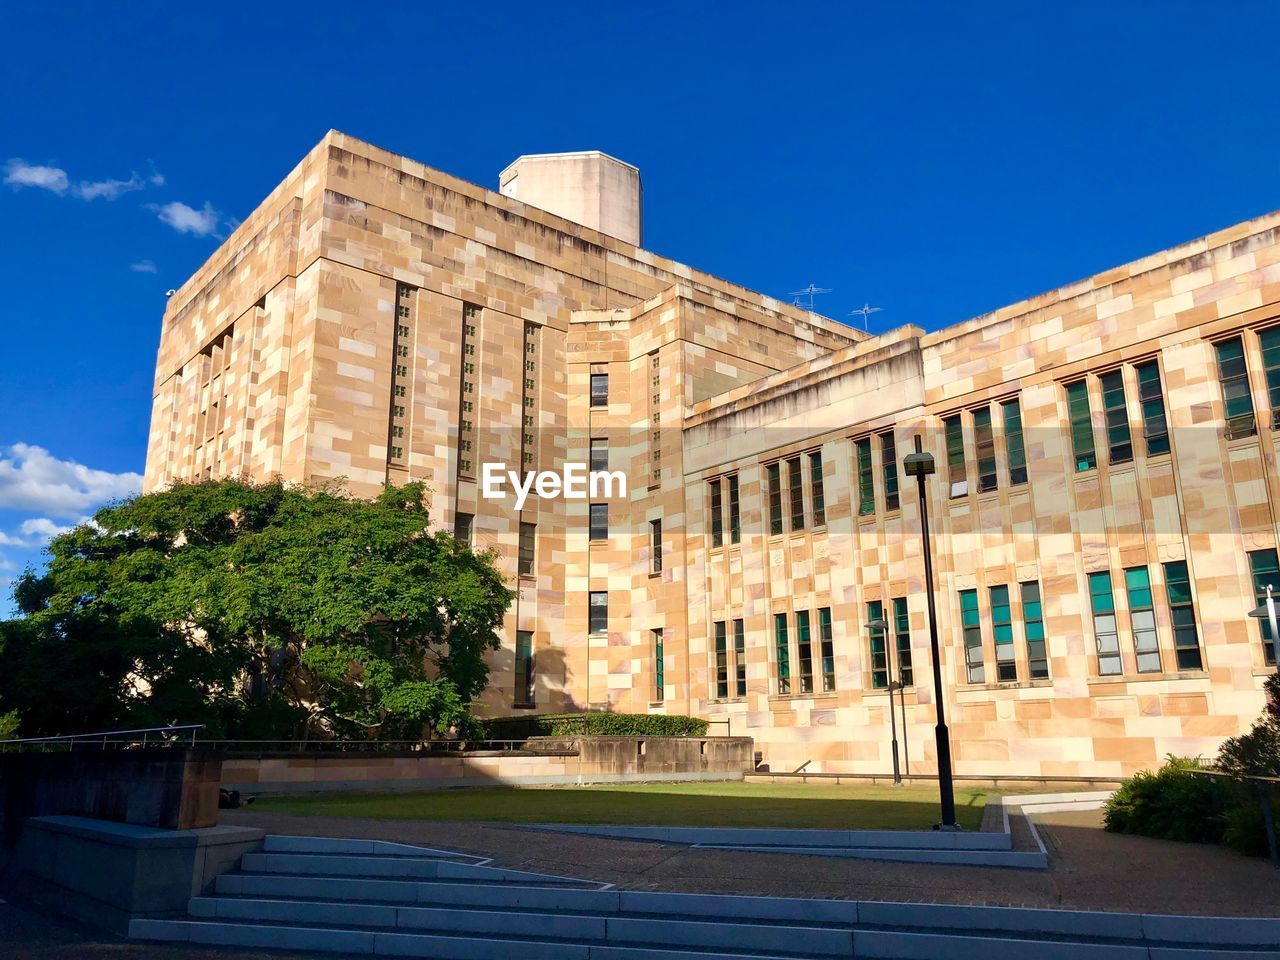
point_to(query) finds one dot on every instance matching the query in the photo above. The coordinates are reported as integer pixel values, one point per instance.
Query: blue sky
(935, 160)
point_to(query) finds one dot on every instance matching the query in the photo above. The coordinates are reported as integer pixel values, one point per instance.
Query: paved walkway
(1089, 868)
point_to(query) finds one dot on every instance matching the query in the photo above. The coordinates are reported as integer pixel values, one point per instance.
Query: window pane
(986, 447)
(775, 498)
(804, 648)
(659, 666)
(1116, 415)
(866, 478)
(1264, 567)
(1104, 624)
(717, 515)
(828, 650)
(655, 546)
(1155, 428)
(902, 641)
(599, 454)
(599, 521)
(889, 468)
(1186, 638)
(879, 658)
(1014, 446)
(740, 656)
(815, 481)
(975, 667)
(782, 652)
(955, 456)
(722, 661)
(523, 693)
(1081, 426)
(598, 611)
(599, 389)
(1002, 631)
(1270, 342)
(1033, 624)
(735, 521)
(527, 535)
(795, 486)
(1234, 376)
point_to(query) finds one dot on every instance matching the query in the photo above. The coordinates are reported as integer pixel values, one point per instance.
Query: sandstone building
(1104, 512)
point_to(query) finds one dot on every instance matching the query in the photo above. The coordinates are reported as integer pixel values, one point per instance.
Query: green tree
(262, 610)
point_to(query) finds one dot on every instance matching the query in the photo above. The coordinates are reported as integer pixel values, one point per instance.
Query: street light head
(918, 464)
(1260, 613)
(878, 625)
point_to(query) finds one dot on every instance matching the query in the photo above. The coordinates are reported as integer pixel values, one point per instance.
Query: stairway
(389, 899)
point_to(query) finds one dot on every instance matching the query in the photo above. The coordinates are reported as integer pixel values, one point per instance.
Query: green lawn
(675, 804)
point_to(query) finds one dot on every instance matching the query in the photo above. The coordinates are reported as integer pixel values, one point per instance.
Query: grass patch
(674, 804)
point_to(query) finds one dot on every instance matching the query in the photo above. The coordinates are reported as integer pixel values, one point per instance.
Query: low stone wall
(171, 788)
(545, 761)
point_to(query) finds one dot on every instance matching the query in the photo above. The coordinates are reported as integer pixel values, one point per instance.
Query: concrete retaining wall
(546, 761)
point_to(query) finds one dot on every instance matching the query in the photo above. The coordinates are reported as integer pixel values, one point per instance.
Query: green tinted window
(1086, 458)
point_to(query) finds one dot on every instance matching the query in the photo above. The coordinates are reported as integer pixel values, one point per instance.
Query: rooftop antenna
(809, 292)
(866, 310)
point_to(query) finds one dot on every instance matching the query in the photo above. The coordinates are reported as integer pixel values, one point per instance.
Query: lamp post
(1267, 611)
(920, 465)
(883, 627)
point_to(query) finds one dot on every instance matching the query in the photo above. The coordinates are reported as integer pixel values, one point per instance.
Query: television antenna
(865, 311)
(809, 292)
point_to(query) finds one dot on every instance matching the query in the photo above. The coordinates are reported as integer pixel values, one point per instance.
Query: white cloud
(157, 178)
(42, 527)
(31, 479)
(7, 540)
(187, 219)
(143, 266)
(18, 174)
(108, 189)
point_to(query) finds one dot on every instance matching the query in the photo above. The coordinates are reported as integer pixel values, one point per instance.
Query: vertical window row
(403, 342)
(1155, 428)
(902, 641)
(655, 546)
(1237, 401)
(740, 658)
(984, 438)
(971, 624)
(525, 559)
(826, 650)
(1142, 619)
(529, 403)
(730, 662)
(815, 484)
(215, 398)
(774, 479)
(1103, 606)
(717, 514)
(866, 478)
(722, 660)
(878, 647)
(466, 427)
(655, 419)
(599, 388)
(792, 471)
(523, 695)
(889, 468)
(659, 667)
(1115, 415)
(985, 442)
(1182, 613)
(795, 487)
(735, 517)
(804, 648)
(1086, 456)
(782, 651)
(598, 611)
(599, 521)
(1033, 625)
(1265, 569)
(1002, 633)
(805, 653)
(959, 484)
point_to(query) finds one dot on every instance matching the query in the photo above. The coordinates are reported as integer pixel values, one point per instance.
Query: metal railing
(362, 746)
(144, 737)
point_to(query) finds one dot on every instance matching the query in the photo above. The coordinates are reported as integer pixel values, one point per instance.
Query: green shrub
(1257, 753)
(1173, 804)
(595, 724)
(1244, 828)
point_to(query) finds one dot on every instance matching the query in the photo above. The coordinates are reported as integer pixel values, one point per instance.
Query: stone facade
(1102, 479)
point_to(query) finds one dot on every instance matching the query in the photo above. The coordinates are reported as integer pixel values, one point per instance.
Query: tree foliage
(1257, 753)
(261, 610)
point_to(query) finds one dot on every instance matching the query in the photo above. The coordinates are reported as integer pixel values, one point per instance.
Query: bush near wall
(595, 724)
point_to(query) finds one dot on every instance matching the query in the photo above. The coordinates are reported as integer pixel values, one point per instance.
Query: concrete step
(703, 933)
(1027, 860)
(390, 867)
(381, 848)
(617, 945)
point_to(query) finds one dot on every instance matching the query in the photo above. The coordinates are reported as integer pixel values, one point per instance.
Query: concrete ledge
(106, 873)
(1050, 802)
(793, 838)
(428, 784)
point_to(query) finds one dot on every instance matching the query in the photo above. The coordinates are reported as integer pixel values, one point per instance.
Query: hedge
(597, 724)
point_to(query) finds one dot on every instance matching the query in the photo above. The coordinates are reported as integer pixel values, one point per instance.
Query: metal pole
(893, 722)
(942, 735)
(902, 703)
(1275, 630)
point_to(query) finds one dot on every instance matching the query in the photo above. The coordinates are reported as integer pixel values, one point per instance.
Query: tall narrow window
(598, 611)
(467, 387)
(722, 661)
(879, 647)
(599, 389)
(523, 695)
(795, 487)
(1014, 446)
(815, 484)
(1265, 570)
(462, 525)
(1086, 457)
(599, 453)
(902, 641)
(599, 521)
(400, 371)
(889, 470)
(866, 478)
(1236, 399)
(1115, 413)
(985, 441)
(655, 546)
(827, 651)
(1104, 624)
(717, 515)
(775, 498)
(659, 668)
(1269, 340)
(782, 648)
(1142, 615)
(529, 437)
(1155, 428)
(955, 456)
(740, 658)
(1186, 636)
(1002, 632)
(735, 518)
(971, 623)
(804, 650)
(1033, 624)
(528, 534)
